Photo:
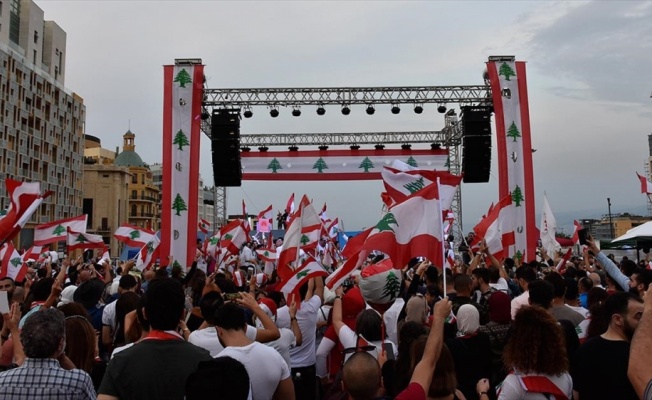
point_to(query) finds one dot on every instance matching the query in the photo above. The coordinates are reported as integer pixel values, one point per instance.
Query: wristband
(338, 297)
(483, 393)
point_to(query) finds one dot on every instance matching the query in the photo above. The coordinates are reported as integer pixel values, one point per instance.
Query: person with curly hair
(538, 370)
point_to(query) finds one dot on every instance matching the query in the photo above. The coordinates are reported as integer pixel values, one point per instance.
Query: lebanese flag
(56, 231)
(646, 186)
(35, 253)
(266, 255)
(289, 208)
(333, 229)
(266, 213)
(401, 184)
(308, 270)
(232, 237)
(212, 246)
(147, 254)
(25, 199)
(133, 236)
(245, 218)
(203, 225)
(303, 232)
(81, 240)
(411, 228)
(12, 264)
(355, 258)
(494, 228)
(322, 214)
(576, 227)
(561, 265)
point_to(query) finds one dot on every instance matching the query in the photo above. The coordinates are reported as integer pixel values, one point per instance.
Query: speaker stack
(225, 146)
(476, 142)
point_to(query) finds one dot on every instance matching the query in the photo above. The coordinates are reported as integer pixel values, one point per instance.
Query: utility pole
(611, 225)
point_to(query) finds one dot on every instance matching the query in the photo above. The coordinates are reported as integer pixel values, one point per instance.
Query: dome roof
(129, 158)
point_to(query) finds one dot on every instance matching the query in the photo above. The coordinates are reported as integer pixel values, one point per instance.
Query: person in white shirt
(206, 336)
(127, 283)
(289, 338)
(270, 375)
(303, 358)
(524, 274)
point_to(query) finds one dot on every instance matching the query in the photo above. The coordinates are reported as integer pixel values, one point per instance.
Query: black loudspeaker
(225, 146)
(476, 121)
(476, 159)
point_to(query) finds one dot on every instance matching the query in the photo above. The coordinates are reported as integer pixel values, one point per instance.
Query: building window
(14, 21)
(134, 194)
(34, 58)
(134, 178)
(134, 210)
(35, 37)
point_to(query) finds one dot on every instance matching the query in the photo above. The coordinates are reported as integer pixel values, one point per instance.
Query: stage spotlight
(406, 146)
(346, 110)
(293, 148)
(205, 115)
(321, 110)
(418, 109)
(380, 147)
(263, 148)
(441, 109)
(396, 109)
(435, 146)
(274, 112)
(370, 110)
(355, 147)
(245, 149)
(323, 147)
(296, 112)
(248, 113)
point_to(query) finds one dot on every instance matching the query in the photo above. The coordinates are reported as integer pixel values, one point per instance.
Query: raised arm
(336, 311)
(611, 268)
(270, 331)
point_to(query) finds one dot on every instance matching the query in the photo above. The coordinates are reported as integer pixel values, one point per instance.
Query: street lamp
(611, 225)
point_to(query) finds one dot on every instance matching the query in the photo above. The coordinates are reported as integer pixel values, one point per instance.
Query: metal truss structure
(449, 137)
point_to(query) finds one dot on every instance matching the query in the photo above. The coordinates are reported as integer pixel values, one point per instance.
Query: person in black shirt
(599, 369)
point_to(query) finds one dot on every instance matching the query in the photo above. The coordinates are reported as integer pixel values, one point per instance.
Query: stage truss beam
(345, 139)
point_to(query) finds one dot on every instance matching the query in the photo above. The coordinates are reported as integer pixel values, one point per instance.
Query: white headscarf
(67, 295)
(468, 320)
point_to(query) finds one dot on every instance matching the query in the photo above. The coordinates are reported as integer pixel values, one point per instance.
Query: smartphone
(232, 296)
(389, 351)
(582, 234)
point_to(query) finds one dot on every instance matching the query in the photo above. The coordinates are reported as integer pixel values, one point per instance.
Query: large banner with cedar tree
(514, 145)
(182, 98)
(335, 165)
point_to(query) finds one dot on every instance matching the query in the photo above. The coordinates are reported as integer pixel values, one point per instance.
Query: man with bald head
(597, 281)
(361, 377)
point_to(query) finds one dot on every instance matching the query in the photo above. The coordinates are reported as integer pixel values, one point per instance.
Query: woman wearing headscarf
(471, 350)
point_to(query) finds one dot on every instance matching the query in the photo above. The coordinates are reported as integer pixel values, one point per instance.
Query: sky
(589, 80)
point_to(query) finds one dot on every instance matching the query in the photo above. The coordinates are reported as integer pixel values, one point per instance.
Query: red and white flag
(303, 233)
(289, 208)
(212, 245)
(322, 214)
(411, 228)
(267, 213)
(355, 258)
(646, 186)
(25, 199)
(132, 235)
(561, 265)
(245, 218)
(333, 229)
(401, 184)
(147, 254)
(232, 237)
(266, 255)
(83, 241)
(203, 225)
(57, 231)
(308, 270)
(495, 228)
(12, 264)
(576, 227)
(36, 253)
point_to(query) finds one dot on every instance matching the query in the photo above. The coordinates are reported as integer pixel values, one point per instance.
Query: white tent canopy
(643, 232)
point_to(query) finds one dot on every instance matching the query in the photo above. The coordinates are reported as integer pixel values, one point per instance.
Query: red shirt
(414, 391)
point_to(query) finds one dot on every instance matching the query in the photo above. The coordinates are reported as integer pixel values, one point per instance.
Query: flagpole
(441, 225)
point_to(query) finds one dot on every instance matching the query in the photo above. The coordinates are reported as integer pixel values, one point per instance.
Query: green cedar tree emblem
(274, 165)
(517, 196)
(266, 253)
(320, 165)
(228, 236)
(150, 247)
(182, 78)
(392, 286)
(213, 241)
(412, 162)
(59, 230)
(176, 264)
(303, 273)
(384, 224)
(304, 240)
(415, 186)
(519, 255)
(513, 132)
(506, 71)
(180, 139)
(80, 239)
(134, 234)
(16, 261)
(366, 164)
(179, 205)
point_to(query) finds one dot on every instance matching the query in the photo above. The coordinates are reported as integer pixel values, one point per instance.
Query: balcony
(141, 215)
(144, 198)
(103, 229)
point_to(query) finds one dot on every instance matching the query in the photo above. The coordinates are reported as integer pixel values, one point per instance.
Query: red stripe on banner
(342, 153)
(195, 139)
(61, 221)
(354, 176)
(166, 204)
(530, 224)
(501, 138)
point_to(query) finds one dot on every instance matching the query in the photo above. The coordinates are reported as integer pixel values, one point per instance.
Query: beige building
(41, 122)
(106, 192)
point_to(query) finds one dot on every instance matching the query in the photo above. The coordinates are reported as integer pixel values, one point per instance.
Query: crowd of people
(484, 329)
